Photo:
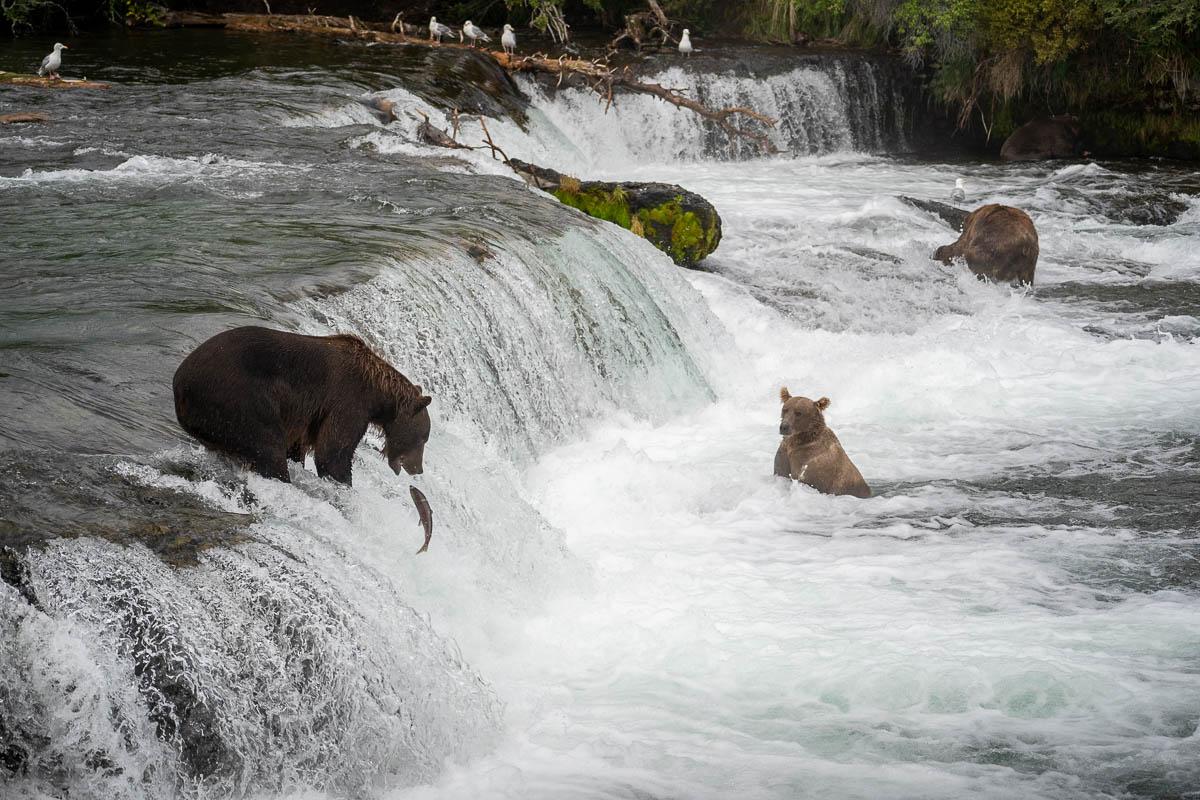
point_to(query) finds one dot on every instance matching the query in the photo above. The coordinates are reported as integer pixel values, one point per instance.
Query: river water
(619, 600)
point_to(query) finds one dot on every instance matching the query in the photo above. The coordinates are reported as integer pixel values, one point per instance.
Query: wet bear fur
(265, 396)
(997, 242)
(811, 453)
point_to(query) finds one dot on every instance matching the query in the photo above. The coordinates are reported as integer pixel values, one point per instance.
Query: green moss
(682, 235)
(597, 202)
(679, 233)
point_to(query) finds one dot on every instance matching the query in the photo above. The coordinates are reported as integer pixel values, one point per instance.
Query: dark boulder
(949, 214)
(682, 224)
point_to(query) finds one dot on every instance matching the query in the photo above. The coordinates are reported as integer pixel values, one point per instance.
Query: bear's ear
(420, 404)
(823, 403)
(783, 395)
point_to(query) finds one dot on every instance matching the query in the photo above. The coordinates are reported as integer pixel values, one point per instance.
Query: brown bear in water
(1046, 137)
(997, 242)
(810, 453)
(265, 396)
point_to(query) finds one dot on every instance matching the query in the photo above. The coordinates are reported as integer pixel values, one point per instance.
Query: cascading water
(824, 106)
(619, 599)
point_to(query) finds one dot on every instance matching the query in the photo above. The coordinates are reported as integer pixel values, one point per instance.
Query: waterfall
(213, 632)
(828, 104)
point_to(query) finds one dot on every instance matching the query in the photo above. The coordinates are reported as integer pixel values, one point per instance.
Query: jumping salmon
(425, 513)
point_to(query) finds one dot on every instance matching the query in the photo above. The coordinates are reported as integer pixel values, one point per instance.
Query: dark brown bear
(997, 242)
(265, 396)
(810, 453)
(1046, 137)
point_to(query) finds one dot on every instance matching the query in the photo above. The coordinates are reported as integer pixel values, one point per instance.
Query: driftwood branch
(597, 76)
(488, 141)
(434, 135)
(602, 79)
(20, 79)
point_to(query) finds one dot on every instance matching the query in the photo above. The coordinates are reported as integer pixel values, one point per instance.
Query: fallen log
(597, 76)
(603, 79)
(21, 79)
(24, 116)
(680, 223)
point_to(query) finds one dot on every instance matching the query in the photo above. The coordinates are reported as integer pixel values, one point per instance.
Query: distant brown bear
(1046, 137)
(997, 242)
(810, 453)
(265, 396)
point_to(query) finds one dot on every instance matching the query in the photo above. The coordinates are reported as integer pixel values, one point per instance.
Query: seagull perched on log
(508, 40)
(473, 33)
(437, 30)
(52, 62)
(960, 192)
(685, 43)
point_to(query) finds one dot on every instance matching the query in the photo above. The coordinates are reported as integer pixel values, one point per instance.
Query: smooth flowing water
(619, 600)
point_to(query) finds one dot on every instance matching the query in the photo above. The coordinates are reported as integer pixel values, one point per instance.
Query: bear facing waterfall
(811, 453)
(265, 396)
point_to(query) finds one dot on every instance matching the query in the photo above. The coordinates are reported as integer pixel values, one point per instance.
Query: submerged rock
(949, 214)
(682, 224)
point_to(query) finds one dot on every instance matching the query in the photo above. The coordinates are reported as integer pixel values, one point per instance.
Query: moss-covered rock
(682, 224)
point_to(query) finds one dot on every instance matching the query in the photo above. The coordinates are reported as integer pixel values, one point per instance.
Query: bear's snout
(407, 462)
(783, 429)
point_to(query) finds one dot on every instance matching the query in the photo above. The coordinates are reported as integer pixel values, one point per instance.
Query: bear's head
(801, 416)
(406, 434)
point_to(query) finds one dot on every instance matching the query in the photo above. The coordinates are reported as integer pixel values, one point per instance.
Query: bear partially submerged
(264, 396)
(997, 242)
(1046, 137)
(811, 453)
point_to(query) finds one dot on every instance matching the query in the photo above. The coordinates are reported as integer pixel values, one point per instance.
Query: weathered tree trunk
(24, 116)
(598, 77)
(19, 79)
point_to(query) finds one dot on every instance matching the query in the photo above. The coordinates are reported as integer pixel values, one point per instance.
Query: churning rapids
(619, 601)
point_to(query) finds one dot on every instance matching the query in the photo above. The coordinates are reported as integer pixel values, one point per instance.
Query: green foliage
(133, 12)
(28, 14)
(944, 27)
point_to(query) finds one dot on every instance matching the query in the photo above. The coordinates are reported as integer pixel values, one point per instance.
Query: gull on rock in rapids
(474, 33)
(508, 40)
(52, 62)
(685, 43)
(437, 30)
(960, 192)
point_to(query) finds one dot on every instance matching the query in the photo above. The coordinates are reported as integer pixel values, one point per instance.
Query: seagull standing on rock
(437, 30)
(960, 192)
(508, 40)
(685, 43)
(474, 33)
(52, 62)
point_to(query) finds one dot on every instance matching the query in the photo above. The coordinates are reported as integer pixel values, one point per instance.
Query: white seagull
(960, 192)
(508, 40)
(685, 43)
(52, 62)
(437, 30)
(474, 33)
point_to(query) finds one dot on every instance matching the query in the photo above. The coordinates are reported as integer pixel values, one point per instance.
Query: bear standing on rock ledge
(266, 396)
(810, 453)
